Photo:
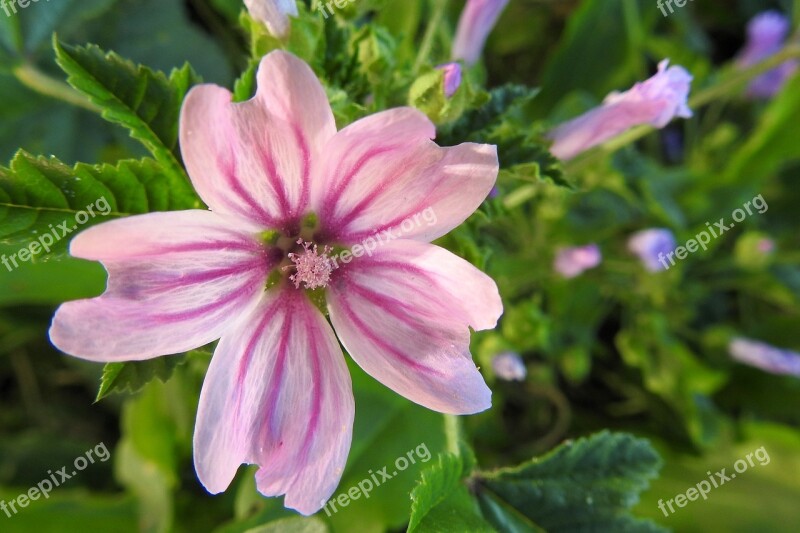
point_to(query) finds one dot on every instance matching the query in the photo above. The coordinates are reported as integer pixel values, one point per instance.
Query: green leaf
(134, 375)
(586, 485)
(522, 150)
(441, 501)
(144, 101)
(769, 147)
(293, 525)
(42, 196)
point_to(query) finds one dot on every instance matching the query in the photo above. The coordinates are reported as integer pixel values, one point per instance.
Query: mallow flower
(572, 261)
(761, 355)
(766, 33)
(652, 246)
(302, 218)
(509, 366)
(274, 14)
(476, 23)
(655, 101)
(452, 78)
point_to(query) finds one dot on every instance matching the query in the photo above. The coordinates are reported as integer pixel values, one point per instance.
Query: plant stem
(42, 83)
(452, 433)
(430, 33)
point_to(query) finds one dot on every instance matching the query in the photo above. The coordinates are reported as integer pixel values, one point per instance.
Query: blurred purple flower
(273, 14)
(452, 78)
(574, 260)
(655, 101)
(766, 246)
(651, 246)
(476, 22)
(764, 356)
(766, 33)
(508, 366)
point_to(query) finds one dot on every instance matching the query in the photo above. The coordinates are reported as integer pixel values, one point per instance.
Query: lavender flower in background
(766, 246)
(762, 355)
(655, 101)
(476, 22)
(652, 244)
(452, 78)
(273, 14)
(766, 33)
(574, 260)
(508, 366)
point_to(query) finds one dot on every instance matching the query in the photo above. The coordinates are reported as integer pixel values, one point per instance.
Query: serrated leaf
(41, 195)
(441, 501)
(144, 101)
(586, 485)
(132, 376)
(501, 121)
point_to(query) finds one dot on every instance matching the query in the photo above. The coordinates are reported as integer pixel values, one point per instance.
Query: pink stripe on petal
(405, 314)
(383, 170)
(175, 282)
(277, 394)
(252, 160)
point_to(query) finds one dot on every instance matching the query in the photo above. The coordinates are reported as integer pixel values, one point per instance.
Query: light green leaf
(293, 525)
(441, 501)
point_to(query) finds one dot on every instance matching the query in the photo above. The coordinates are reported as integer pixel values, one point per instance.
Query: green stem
(434, 23)
(42, 83)
(452, 433)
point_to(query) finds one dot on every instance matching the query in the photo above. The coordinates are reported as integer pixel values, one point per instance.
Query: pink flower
(278, 393)
(572, 261)
(452, 78)
(766, 33)
(273, 14)
(476, 22)
(768, 358)
(655, 101)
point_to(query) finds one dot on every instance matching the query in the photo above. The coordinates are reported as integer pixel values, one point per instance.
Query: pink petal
(383, 172)
(655, 101)
(277, 394)
(176, 280)
(404, 316)
(477, 21)
(253, 159)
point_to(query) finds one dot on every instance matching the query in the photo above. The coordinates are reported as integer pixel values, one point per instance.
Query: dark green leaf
(132, 376)
(586, 485)
(144, 101)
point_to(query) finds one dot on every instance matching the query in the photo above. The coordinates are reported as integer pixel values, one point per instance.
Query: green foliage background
(642, 355)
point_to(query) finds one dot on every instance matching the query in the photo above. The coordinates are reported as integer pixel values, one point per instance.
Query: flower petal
(175, 281)
(277, 394)
(384, 170)
(253, 159)
(404, 314)
(273, 14)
